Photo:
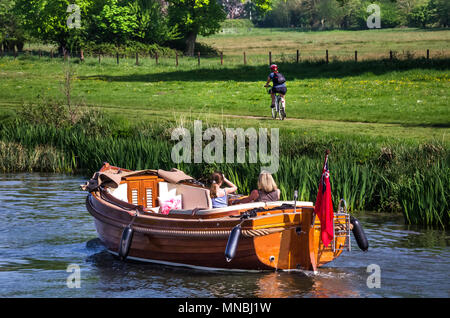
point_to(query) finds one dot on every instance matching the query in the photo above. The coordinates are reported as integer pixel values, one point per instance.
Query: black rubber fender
(358, 233)
(232, 244)
(125, 242)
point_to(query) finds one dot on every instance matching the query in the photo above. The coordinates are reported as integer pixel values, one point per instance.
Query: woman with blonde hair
(267, 190)
(219, 196)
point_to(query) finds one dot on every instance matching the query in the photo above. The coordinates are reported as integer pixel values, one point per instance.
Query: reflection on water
(44, 227)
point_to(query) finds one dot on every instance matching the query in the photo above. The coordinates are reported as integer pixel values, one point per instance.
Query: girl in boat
(267, 190)
(219, 196)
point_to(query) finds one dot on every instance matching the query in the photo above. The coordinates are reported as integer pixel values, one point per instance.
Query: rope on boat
(207, 233)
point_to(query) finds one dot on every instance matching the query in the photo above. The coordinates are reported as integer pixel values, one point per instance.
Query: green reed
(424, 197)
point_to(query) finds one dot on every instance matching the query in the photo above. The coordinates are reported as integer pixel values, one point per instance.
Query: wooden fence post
(221, 58)
(245, 59)
(428, 54)
(270, 58)
(356, 56)
(298, 55)
(99, 58)
(198, 54)
(81, 55)
(15, 53)
(326, 57)
(137, 58)
(391, 56)
(51, 54)
(156, 58)
(117, 58)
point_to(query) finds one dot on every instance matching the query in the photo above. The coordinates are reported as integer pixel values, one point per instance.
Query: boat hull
(283, 239)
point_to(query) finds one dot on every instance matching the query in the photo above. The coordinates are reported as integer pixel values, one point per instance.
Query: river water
(44, 228)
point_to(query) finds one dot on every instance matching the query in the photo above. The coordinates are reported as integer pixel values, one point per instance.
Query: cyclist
(279, 85)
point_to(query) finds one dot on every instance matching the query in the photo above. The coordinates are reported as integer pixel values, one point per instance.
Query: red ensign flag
(324, 206)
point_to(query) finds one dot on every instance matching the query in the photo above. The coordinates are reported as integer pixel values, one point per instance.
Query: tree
(329, 13)
(441, 12)
(355, 14)
(152, 22)
(233, 8)
(420, 16)
(12, 33)
(195, 17)
(47, 20)
(115, 23)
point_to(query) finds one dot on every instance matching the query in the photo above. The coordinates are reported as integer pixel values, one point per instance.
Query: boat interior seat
(191, 197)
(120, 192)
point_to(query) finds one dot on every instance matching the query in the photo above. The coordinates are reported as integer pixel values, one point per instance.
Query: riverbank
(369, 173)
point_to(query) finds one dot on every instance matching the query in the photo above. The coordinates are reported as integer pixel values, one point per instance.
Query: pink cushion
(169, 203)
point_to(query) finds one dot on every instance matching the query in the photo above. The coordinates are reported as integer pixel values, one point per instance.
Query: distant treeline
(342, 14)
(75, 24)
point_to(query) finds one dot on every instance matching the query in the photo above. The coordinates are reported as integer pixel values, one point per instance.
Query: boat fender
(232, 243)
(358, 233)
(125, 242)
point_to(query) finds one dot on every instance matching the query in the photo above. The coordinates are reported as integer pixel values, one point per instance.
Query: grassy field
(377, 98)
(386, 122)
(283, 43)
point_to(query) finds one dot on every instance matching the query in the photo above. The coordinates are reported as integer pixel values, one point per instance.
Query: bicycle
(277, 111)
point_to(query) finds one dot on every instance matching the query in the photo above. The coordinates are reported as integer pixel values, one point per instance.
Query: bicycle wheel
(282, 113)
(279, 113)
(274, 113)
(282, 109)
(274, 110)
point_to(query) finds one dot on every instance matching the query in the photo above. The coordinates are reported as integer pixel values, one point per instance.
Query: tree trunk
(190, 43)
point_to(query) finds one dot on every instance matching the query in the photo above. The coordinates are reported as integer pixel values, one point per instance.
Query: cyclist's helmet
(274, 67)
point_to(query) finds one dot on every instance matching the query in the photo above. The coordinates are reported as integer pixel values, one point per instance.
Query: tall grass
(427, 192)
(15, 157)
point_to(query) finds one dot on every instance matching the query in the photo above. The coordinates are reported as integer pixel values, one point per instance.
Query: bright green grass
(406, 100)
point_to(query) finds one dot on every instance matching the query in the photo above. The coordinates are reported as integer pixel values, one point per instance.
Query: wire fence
(138, 58)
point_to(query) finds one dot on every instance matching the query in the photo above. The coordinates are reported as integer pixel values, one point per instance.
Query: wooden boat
(281, 235)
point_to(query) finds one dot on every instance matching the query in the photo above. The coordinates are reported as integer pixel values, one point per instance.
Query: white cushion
(121, 192)
(164, 191)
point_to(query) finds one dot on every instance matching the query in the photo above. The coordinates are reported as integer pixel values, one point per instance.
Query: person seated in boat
(267, 190)
(219, 195)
